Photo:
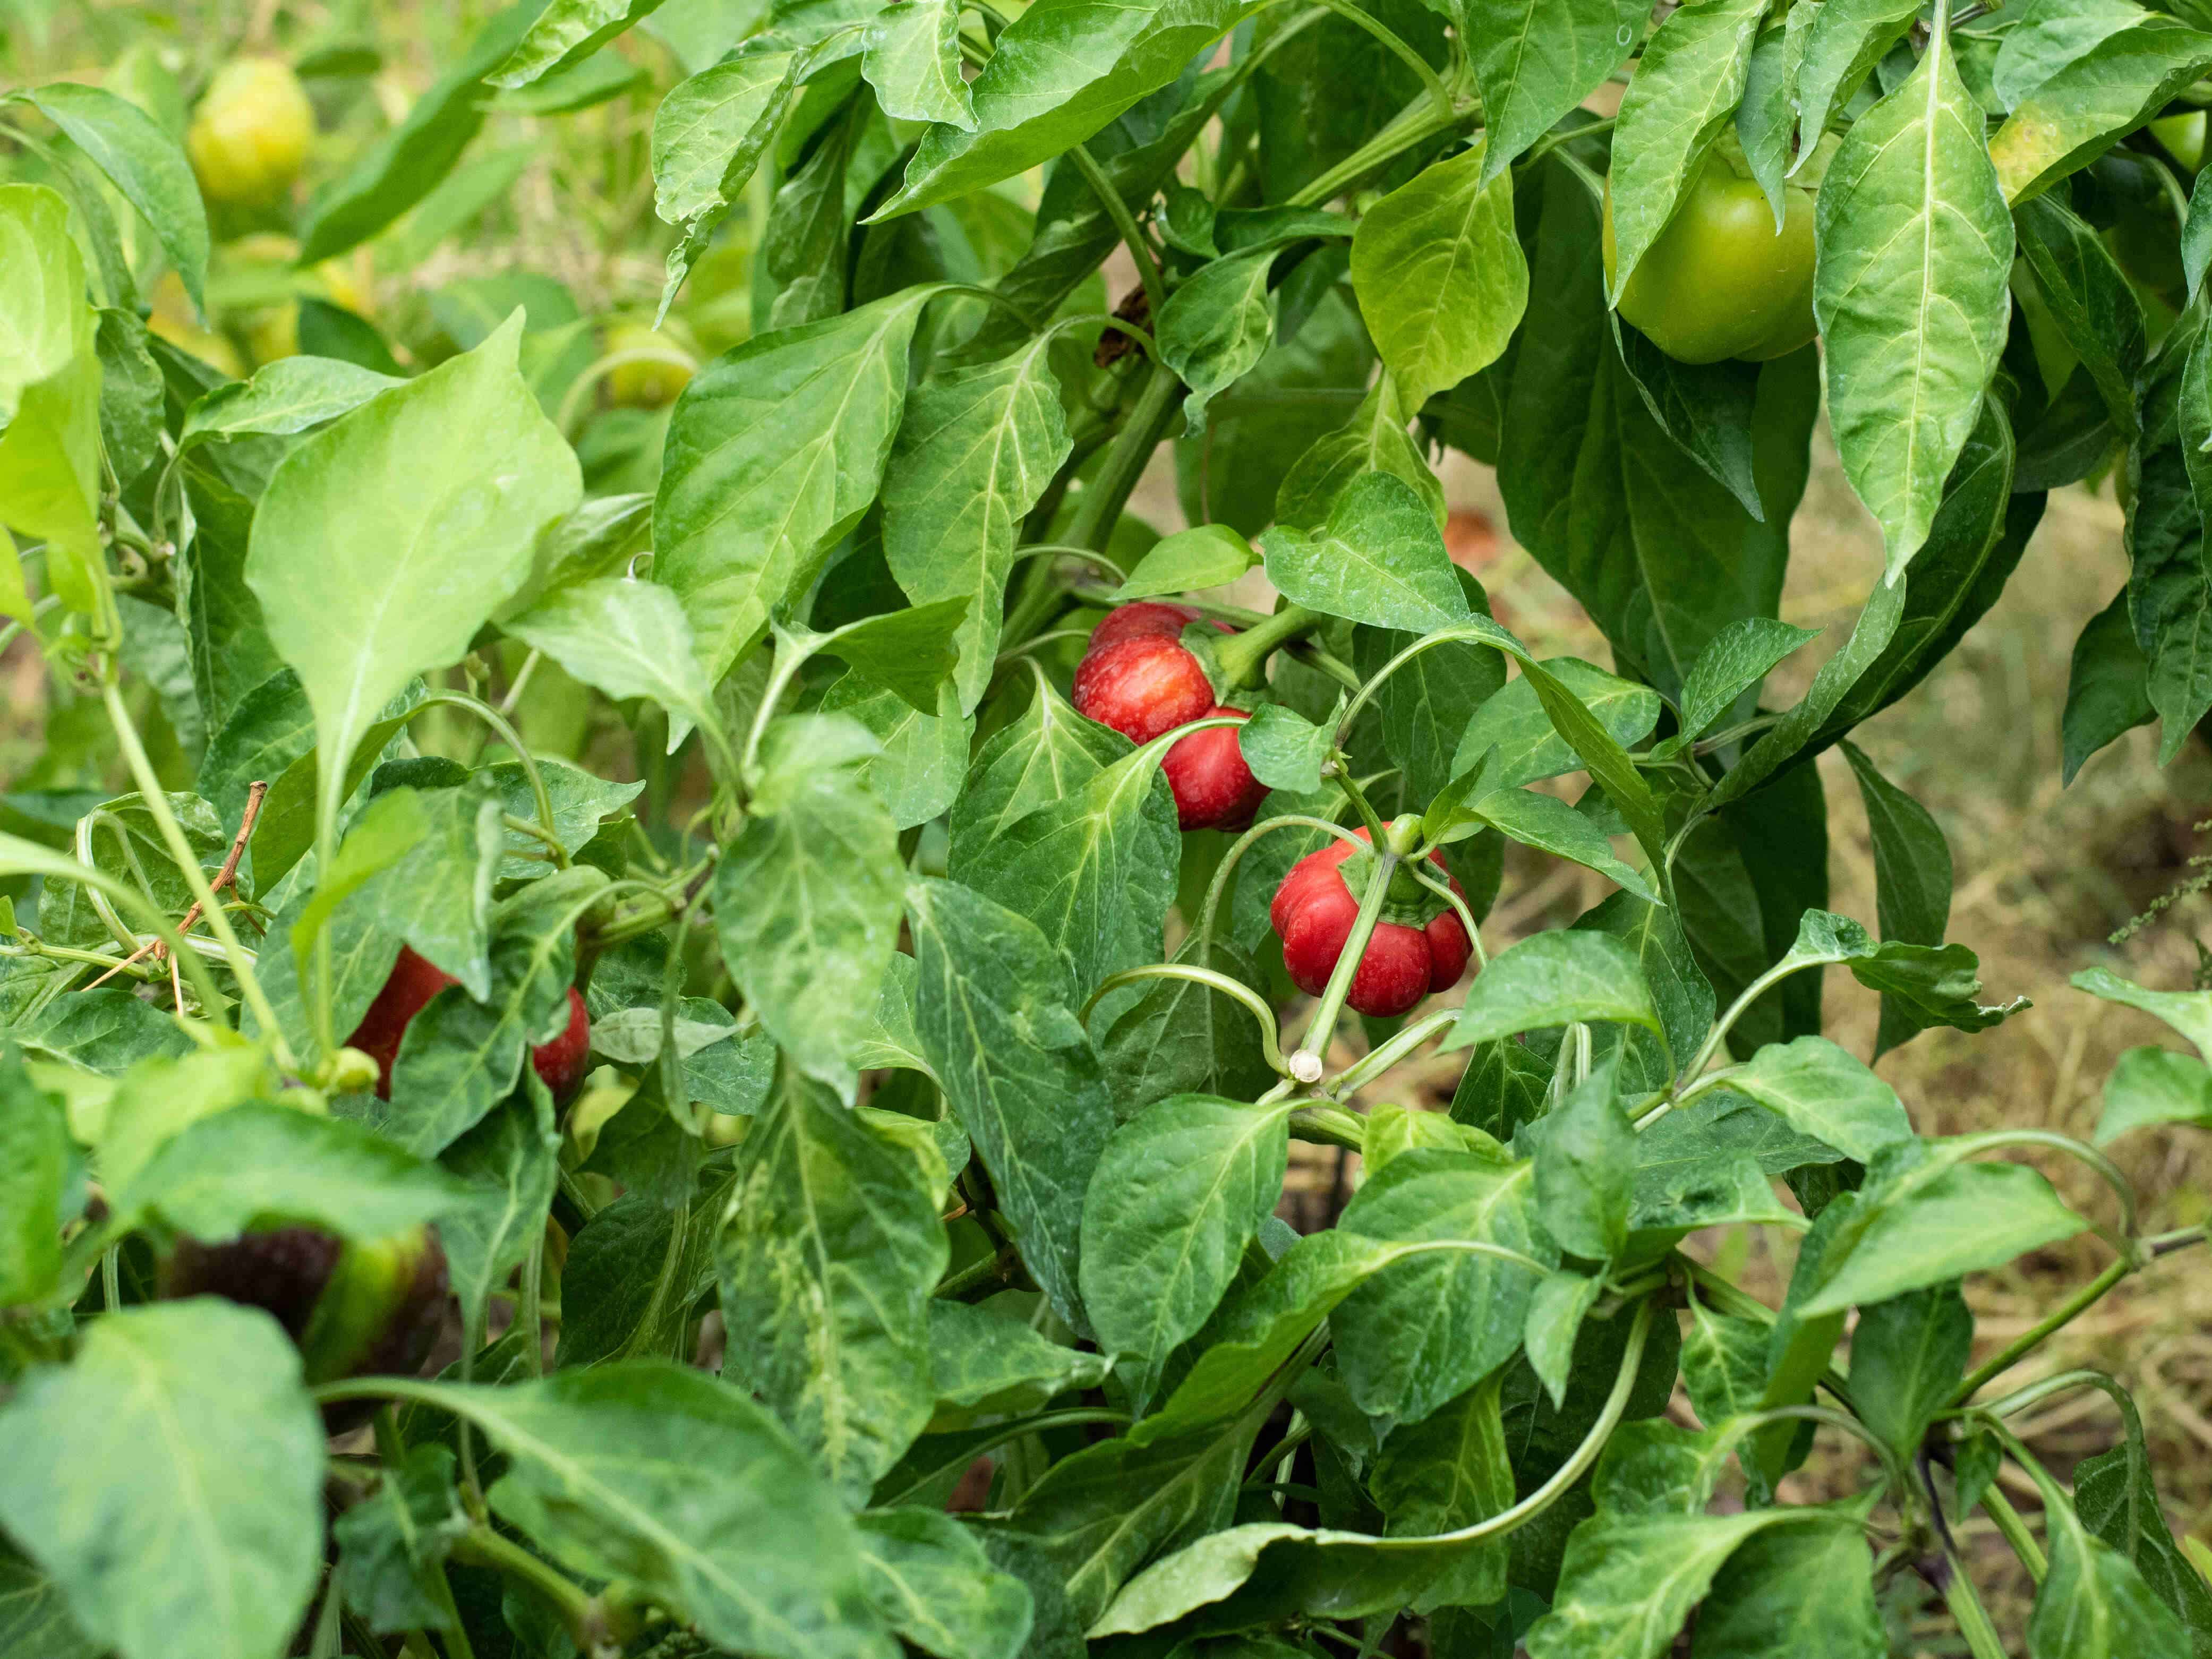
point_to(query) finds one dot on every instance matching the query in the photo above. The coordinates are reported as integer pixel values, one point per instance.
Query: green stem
(1411, 127)
(187, 862)
(996, 1269)
(1374, 1064)
(1329, 1126)
(2015, 1532)
(1101, 501)
(1973, 1618)
(1262, 1010)
(2027, 1341)
(1551, 141)
(507, 734)
(1244, 657)
(1439, 94)
(1306, 1065)
(1218, 886)
(483, 1547)
(1133, 234)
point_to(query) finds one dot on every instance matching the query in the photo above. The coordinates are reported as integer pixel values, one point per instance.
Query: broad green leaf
(2114, 1496)
(1216, 327)
(1794, 1589)
(437, 896)
(259, 1161)
(1844, 40)
(913, 61)
(1177, 1198)
(827, 1257)
(384, 834)
(974, 453)
(1912, 875)
(628, 638)
(35, 1165)
(141, 161)
(289, 396)
(1740, 656)
(157, 1100)
(2102, 89)
(1451, 1470)
(2093, 1600)
(1680, 993)
(565, 33)
(1425, 1330)
(1915, 244)
(1047, 754)
(923, 756)
(34, 1614)
(1513, 722)
(393, 1544)
(364, 586)
(1284, 749)
(404, 165)
(1723, 1365)
(1182, 1037)
(1556, 1313)
(1379, 559)
(1429, 701)
(986, 1363)
(909, 651)
(932, 1583)
(169, 1479)
(774, 450)
(1095, 870)
(1925, 1216)
(2107, 685)
(1929, 985)
(48, 394)
(1373, 440)
(1825, 1091)
(1535, 61)
(2188, 1012)
(1909, 1355)
(991, 1011)
(1585, 1154)
(670, 1479)
(2090, 298)
(1685, 89)
(1062, 70)
(1553, 979)
(1629, 1581)
(508, 1166)
(1205, 556)
(1440, 275)
(2154, 1085)
(2168, 601)
(806, 902)
(709, 131)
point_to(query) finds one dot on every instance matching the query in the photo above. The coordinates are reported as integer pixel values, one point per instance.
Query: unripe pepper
(251, 132)
(1408, 957)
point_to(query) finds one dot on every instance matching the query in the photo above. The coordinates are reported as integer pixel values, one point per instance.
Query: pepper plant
(820, 1154)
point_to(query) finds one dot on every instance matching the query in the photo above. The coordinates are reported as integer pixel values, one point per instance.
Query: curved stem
(1443, 890)
(2033, 1337)
(1412, 126)
(505, 732)
(1244, 657)
(187, 862)
(1426, 642)
(482, 1547)
(1373, 1065)
(1319, 1124)
(2106, 1171)
(1439, 94)
(1133, 234)
(1221, 871)
(1103, 499)
(1261, 1010)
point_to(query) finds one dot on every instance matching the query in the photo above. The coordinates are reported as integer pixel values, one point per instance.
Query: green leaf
(2154, 1085)
(406, 164)
(1379, 560)
(1440, 275)
(1585, 1153)
(384, 834)
(932, 1583)
(1685, 89)
(1825, 1091)
(1843, 41)
(393, 1544)
(1628, 1581)
(1096, 870)
(509, 1164)
(806, 902)
(1451, 1470)
(2168, 600)
(364, 587)
(827, 1259)
(2086, 103)
(1549, 825)
(1284, 750)
(709, 131)
(1930, 985)
(1797, 1590)
(1205, 556)
(1063, 69)
(1556, 1313)
(628, 638)
(2107, 689)
(2093, 1600)
(1738, 658)
(1428, 703)
(2115, 1498)
(1016, 1066)
(1553, 979)
(984, 1363)
(2090, 298)
(924, 755)
(1529, 747)
(1909, 1355)
(1914, 245)
(909, 651)
(1913, 874)
(437, 895)
(565, 33)
(34, 1614)
(257, 1161)
(289, 396)
(1534, 60)
(1175, 1199)
(1373, 440)
(1924, 1216)
(34, 1168)
(1047, 754)
(1216, 327)
(913, 61)
(170, 1480)
(143, 162)
(774, 451)
(1423, 1331)
(665, 1476)
(973, 455)
(1183, 1037)
(48, 394)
